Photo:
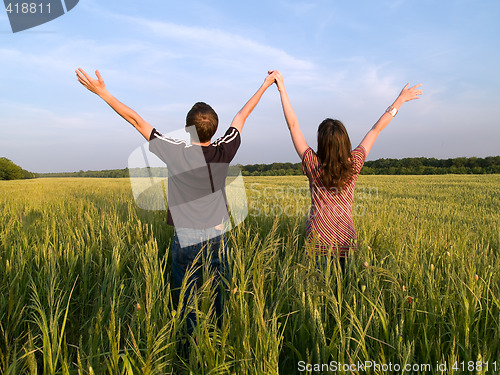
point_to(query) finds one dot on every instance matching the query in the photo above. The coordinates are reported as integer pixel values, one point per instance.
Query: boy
(196, 196)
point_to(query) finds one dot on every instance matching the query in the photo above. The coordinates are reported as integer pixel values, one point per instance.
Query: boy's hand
(97, 86)
(270, 79)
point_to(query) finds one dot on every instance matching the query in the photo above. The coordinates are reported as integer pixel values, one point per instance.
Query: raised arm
(298, 139)
(98, 87)
(242, 115)
(406, 95)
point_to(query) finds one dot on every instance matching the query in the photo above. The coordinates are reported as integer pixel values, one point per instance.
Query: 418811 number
(27, 8)
(472, 366)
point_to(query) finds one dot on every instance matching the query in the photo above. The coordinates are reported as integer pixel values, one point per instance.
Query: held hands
(270, 79)
(277, 78)
(97, 86)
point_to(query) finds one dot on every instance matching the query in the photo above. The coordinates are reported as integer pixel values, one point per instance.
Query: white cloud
(42, 121)
(218, 45)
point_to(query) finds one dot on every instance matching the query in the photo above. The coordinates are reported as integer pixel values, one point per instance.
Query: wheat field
(85, 287)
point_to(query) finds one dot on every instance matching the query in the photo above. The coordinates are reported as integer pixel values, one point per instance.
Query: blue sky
(346, 60)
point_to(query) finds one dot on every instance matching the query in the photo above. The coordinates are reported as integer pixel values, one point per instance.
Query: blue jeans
(207, 245)
(323, 260)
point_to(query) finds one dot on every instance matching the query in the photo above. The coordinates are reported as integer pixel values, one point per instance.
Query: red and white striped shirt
(330, 225)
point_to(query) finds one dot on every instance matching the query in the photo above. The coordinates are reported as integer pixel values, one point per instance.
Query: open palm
(97, 86)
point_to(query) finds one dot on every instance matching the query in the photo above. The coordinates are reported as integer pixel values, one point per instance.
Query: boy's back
(196, 178)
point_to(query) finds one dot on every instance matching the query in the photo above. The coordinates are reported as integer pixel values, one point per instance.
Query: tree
(11, 171)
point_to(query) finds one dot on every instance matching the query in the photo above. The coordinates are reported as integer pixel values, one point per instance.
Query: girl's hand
(279, 81)
(411, 93)
(97, 86)
(270, 79)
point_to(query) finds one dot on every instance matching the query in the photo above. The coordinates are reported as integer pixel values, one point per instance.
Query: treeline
(462, 165)
(107, 173)
(111, 173)
(413, 166)
(11, 171)
(274, 169)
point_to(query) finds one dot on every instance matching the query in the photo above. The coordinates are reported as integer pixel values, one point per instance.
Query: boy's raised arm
(98, 87)
(241, 116)
(298, 139)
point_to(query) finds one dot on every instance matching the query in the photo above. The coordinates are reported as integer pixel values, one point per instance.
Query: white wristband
(392, 110)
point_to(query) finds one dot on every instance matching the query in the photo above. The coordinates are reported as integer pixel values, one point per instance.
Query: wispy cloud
(43, 121)
(218, 44)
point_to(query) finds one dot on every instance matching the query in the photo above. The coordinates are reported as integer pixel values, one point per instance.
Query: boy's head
(205, 120)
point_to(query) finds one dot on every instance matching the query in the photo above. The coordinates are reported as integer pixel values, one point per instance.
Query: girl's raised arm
(298, 139)
(406, 95)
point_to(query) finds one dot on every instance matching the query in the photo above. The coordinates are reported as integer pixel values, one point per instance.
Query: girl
(332, 172)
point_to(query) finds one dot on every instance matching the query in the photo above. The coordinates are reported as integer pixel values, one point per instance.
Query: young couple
(197, 171)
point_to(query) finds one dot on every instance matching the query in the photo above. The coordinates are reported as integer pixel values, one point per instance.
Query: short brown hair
(204, 118)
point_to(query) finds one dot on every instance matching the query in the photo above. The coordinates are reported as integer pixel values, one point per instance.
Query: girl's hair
(334, 154)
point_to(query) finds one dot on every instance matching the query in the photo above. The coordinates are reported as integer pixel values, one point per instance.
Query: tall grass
(85, 287)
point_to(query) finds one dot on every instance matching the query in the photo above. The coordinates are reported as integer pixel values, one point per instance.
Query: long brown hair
(334, 154)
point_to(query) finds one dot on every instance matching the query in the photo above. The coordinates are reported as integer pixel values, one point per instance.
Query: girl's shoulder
(310, 163)
(309, 156)
(359, 151)
(358, 156)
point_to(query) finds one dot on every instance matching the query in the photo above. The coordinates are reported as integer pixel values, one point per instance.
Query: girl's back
(330, 224)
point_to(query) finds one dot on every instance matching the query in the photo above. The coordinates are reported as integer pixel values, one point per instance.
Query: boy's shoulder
(223, 149)
(157, 136)
(232, 135)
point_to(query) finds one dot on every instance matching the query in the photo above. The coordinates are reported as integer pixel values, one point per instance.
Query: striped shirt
(330, 225)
